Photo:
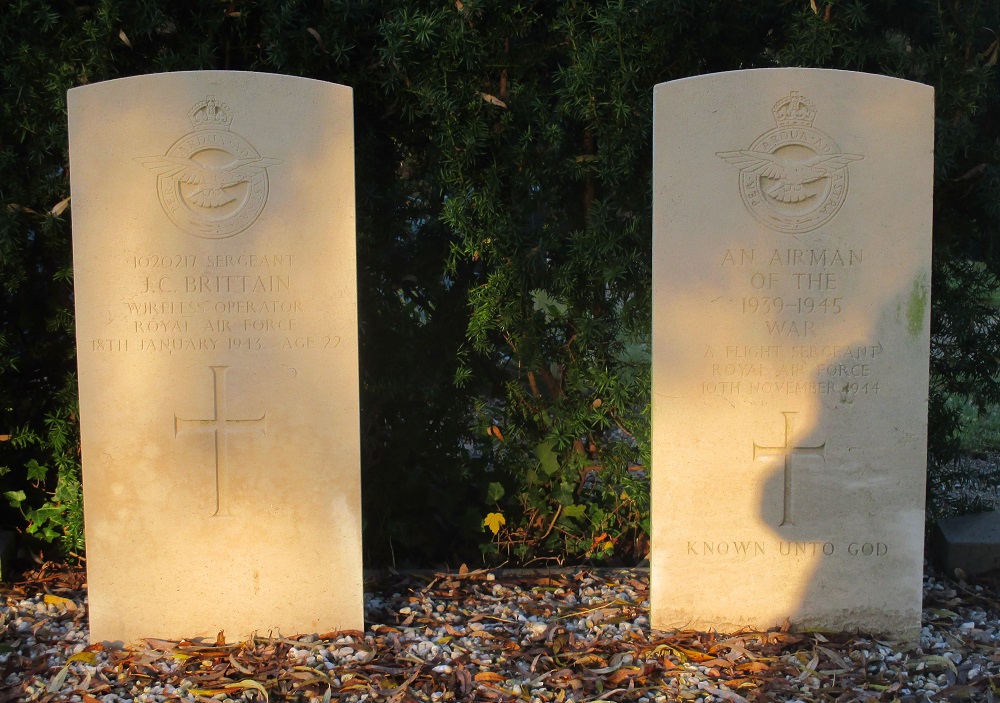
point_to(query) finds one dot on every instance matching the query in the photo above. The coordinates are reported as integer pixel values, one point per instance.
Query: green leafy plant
(51, 502)
(504, 199)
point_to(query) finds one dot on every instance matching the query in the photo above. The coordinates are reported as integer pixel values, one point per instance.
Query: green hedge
(503, 164)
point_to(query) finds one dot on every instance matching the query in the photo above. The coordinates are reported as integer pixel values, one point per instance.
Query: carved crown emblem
(211, 114)
(794, 110)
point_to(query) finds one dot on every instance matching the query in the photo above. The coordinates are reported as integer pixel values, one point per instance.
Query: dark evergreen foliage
(503, 165)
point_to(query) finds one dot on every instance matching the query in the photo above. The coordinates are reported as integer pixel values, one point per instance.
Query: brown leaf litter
(499, 637)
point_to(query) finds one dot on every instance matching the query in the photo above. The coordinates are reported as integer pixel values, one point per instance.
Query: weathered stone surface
(791, 246)
(969, 542)
(213, 236)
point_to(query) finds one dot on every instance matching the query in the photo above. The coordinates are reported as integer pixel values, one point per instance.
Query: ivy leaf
(575, 511)
(547, 456)
(494, 521)
(563, 494)
(46, 512)
(36, 472)
(15, 498)
(494, 492)
(545, 303)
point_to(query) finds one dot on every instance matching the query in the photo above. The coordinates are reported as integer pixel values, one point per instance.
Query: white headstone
(214, 263)
(792, 263)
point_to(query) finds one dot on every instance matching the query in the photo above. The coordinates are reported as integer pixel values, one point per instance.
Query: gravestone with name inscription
(791, 284)
(215, 282)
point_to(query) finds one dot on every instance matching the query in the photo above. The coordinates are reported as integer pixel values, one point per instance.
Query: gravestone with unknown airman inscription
(791, 247)
(214, 263)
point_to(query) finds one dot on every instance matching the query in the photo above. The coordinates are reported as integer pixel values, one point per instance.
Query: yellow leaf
(993, 51)
(59, 600)
(488, 676)
(60, 207)
(942, 613)
(86, 657)
(230, 688)
(58, 680)
(495, 521)
(812, 4)
(938, 662)
(121, 35)
(317, 37)
(239, 667)
(249, 683)
(493, 100)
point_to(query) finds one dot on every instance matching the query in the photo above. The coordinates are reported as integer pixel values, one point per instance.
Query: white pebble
(537, 628)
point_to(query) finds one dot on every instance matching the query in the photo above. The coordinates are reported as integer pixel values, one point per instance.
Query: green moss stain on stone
(917, 305)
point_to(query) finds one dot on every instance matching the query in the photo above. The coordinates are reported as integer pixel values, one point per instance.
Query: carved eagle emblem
(212, 182)
(791, 176)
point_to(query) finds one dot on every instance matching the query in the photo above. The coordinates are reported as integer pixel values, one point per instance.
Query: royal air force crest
(212, 182)
(794, 177)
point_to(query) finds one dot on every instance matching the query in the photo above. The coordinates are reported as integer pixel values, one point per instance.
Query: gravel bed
(502, 636)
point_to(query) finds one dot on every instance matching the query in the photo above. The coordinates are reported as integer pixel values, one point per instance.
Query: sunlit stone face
(791, 246)
(213, 234)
